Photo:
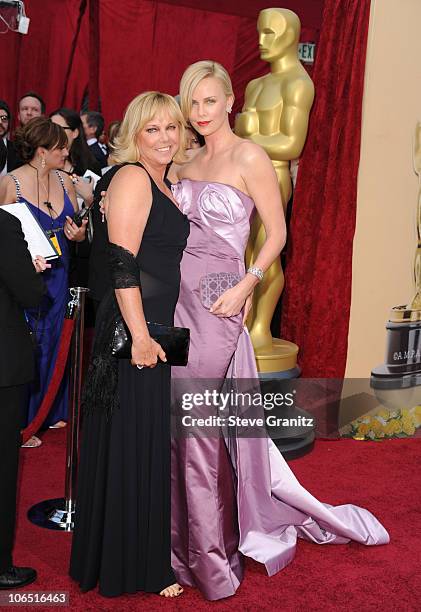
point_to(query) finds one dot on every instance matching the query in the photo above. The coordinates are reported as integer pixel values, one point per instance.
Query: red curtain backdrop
(172, 38)
(317, 297)
(130, 46)
(39, 60)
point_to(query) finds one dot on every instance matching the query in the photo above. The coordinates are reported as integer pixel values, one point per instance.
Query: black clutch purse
(174, 340)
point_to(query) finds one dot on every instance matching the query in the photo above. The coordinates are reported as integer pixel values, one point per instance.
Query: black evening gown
(122, 524)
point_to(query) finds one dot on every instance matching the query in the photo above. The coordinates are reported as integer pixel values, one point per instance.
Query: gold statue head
(279, 31)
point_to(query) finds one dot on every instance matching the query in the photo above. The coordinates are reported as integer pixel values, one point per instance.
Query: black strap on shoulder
(140, 165)
(61, 179)
(166, 179)
(17, 185)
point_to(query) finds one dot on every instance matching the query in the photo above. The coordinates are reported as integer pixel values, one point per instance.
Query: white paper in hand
(37, 239)
(94, 177)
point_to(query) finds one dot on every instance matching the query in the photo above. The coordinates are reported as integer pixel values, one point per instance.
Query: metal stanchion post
(58, 513)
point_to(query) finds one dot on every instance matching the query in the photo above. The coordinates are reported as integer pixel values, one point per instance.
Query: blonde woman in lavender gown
(231, 500)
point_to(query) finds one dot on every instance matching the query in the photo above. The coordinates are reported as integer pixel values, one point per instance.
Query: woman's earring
(229, 109)
(43, 162)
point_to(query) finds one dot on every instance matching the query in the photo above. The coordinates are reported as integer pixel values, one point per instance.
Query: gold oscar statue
(397, 381)
(412, 310)
(275, 115)
(416, 302)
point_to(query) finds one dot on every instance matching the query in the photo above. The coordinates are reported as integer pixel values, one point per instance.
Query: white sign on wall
(306, 52)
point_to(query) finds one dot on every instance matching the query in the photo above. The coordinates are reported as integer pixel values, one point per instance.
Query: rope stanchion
(58, 514)
(53, 387)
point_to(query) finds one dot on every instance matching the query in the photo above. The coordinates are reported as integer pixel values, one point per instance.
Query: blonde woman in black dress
(122, 531)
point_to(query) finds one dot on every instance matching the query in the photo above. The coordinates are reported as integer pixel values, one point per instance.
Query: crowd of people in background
(52, 163)
(85, 133)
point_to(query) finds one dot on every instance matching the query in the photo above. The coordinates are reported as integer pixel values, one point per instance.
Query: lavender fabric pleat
(235, 496)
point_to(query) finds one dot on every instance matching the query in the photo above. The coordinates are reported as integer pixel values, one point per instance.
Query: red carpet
(384, 477)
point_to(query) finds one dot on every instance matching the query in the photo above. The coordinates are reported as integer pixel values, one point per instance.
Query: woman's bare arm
(129, 202)
(7, 190)
(262, 185)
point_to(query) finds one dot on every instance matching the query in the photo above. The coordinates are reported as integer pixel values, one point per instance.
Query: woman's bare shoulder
(249, 152)
(7, 190)
(6, 180)
(180, 170)
(130, 176)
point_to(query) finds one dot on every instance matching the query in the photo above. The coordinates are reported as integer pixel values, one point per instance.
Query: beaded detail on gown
(240, 498)
(122, 525)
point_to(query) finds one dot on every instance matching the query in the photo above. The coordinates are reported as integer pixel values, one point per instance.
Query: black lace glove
(124, 270)
(100, 389)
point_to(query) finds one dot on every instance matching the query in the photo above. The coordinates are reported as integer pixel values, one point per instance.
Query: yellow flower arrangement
(386, 424)
(376, 425)
(408, 425)
(363, 429)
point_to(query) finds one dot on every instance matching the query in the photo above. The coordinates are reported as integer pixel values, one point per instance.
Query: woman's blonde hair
(192, 77)
(139, 112)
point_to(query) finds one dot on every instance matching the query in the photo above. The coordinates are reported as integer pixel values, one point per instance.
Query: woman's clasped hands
(146, 352)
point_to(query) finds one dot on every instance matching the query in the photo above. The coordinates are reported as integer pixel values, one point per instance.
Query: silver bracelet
(258, 272)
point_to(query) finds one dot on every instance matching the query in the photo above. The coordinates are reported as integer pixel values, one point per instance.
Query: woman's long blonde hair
(192, 77)
(139, 112)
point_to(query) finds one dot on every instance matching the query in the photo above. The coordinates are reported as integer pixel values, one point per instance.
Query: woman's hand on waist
(231, 302)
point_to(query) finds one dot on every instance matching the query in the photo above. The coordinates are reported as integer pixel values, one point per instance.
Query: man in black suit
(93, 126)
(20, 287)
(9, 160)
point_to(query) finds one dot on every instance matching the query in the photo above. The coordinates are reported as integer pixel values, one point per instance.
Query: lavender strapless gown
(240, 498)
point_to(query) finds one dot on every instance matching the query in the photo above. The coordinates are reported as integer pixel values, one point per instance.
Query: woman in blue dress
(50, 195)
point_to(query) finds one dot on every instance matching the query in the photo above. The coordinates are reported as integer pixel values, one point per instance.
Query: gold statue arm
(247, 122)
(288, 143)
(258, 171)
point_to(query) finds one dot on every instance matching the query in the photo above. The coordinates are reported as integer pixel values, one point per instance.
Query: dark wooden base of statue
(402, 366)
(292, 441)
